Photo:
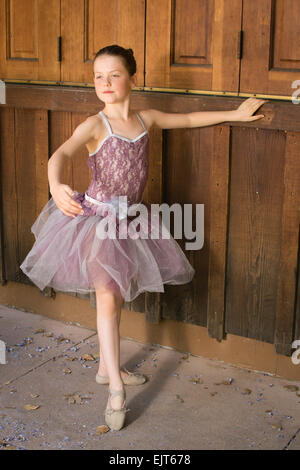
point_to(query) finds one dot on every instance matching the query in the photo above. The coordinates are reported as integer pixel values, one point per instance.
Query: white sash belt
(120, 206)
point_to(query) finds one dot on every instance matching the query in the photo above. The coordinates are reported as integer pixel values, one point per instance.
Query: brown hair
(126, 54)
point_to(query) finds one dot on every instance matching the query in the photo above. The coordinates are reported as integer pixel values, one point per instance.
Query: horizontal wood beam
(278, 115)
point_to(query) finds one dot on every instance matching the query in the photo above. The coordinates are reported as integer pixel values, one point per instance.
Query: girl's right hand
(63, 195)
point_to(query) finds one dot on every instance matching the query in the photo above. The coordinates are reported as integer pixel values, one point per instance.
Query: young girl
(69, 253)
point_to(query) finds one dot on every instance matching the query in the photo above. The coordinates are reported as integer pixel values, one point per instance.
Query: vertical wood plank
(2, 266)
(153, 306)
(31, 153)
(9, 191)
(150, 302)
(219, 182)
(287, 282)
(297, 312)
(76, 173)
(153, 195)
(255, 212)
(41, 170)
(60, 129)
(186, 181)
(81, 175)
(41, 145)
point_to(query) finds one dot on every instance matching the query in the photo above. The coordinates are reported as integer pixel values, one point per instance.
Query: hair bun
(130, 51)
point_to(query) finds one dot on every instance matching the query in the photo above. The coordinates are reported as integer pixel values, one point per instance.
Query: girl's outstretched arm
(206, 118)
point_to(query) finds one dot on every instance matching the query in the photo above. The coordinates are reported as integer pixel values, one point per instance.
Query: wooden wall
(245, 174)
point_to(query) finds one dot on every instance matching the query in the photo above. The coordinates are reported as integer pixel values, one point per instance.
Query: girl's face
(110, 74)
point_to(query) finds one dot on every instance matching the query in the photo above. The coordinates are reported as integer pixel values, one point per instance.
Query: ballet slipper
(130, 379)
(115, 419)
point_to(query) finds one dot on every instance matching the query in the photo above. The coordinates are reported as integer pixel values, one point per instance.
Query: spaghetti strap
(106, 122)
(141, 121)
(109, 126)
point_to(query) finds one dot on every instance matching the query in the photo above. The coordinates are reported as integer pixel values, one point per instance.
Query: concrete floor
(230, 408)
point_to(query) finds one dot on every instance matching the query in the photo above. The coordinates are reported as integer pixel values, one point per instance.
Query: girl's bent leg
(108, 308)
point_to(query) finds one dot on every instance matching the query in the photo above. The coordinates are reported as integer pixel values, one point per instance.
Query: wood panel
(271, 48)
(219, 184)
(296, 335)
(186, 176)
(278, 114)
(187, 165)
(24, 150)
(89, 25)
(199, 42)
(197, 49)
(2, 256)
(289, 252)
(81, 175)
(9, 192)
(28, 46)
(31, 156)
(254, 232)
(3, 114)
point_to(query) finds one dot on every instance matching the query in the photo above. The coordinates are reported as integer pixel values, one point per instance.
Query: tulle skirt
(73, 255)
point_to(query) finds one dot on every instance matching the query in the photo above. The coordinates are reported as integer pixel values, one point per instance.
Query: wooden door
(29, 36)
(271, 47)
(193, 44)
(89, 26)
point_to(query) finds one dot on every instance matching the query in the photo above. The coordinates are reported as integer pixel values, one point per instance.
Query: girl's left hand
(247, 108)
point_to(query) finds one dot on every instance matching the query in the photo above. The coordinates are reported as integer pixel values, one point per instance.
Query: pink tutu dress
(72, 254)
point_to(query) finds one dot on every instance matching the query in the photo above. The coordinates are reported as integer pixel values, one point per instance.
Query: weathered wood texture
(245, 174)
(287, 321)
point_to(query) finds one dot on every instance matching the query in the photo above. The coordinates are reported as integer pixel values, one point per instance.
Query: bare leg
(102, 366)
(102, 370)
(108, 319)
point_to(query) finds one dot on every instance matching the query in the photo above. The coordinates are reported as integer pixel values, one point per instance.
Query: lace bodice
(119, 166)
